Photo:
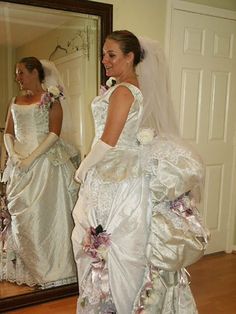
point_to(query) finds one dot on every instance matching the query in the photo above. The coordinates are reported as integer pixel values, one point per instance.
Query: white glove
(96, 154)
(9, 144)
(41, 149)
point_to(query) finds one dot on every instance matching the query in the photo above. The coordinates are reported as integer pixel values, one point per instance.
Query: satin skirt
(40, 202)
(124, 212)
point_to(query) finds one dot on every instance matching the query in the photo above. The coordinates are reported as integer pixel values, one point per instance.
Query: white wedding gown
(38, 248)
(118, 194)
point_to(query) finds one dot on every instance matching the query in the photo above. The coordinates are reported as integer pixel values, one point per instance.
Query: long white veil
(159, 114)
(54, 78)
(153, 77)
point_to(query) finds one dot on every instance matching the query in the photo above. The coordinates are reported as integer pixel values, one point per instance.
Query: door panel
(75, 75)
(203, 78)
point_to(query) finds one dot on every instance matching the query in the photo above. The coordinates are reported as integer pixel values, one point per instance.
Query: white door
(203, 78)
(73, 69)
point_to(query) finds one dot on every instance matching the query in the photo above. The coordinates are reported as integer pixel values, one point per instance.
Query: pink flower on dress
(183, 205)
(53, 93)
(96, 242)
(5, 219)
(109, 83)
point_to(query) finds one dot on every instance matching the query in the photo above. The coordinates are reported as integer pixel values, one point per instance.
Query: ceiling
(20, 24)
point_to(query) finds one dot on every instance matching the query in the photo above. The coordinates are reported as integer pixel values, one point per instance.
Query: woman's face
(116, 63)
(23, 77)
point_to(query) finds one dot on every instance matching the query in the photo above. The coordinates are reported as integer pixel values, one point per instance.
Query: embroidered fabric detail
(173, 169)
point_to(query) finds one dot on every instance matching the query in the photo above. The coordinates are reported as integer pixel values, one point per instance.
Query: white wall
(223, 4)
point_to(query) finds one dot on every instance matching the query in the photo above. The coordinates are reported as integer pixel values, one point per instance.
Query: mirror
(70, 33)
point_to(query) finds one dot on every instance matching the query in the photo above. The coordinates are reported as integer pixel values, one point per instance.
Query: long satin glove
(96, 154)
(9, 144)
(25, 164)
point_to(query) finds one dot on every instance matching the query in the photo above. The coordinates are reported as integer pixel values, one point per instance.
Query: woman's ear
(130, 57)
(35, 73)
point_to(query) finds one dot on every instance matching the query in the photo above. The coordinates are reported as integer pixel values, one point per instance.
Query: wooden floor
(213, 284)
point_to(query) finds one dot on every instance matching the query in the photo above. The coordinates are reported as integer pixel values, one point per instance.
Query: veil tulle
(153, 77)
(53, 78)
(158, 112)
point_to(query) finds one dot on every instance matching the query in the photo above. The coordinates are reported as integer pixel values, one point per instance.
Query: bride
(41, 191)
(136, 225)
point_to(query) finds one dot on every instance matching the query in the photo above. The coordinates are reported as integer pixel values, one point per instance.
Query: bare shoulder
(122, 93)
(20, 98)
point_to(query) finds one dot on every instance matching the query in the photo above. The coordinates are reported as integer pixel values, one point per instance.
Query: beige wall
(148, 17)
(142, 17)
(7, 76)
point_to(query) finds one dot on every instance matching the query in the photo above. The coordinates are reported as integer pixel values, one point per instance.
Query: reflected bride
(41, 191)
(36, 29)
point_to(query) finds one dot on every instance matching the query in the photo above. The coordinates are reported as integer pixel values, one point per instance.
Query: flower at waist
(145, 135)
(52, 93)
(96, 242)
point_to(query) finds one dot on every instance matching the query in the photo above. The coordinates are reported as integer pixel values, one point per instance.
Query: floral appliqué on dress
(96, 244)
(53, 93)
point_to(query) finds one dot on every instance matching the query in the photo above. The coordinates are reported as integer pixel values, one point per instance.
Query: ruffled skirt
(38, 249)
(140, 197)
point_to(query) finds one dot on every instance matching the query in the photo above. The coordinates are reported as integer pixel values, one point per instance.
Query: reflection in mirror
(67, 38)
(72, 41)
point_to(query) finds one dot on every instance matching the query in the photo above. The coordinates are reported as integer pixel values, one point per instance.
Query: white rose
(54, 90)
(109, 82)
(102, 251)
(145, 136)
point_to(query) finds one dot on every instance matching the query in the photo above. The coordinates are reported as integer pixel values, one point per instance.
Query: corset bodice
(128, 135)
(31, 125)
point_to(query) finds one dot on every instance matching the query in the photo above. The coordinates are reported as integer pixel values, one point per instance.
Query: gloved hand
(9, 144)
(96, 154)
(25, 164)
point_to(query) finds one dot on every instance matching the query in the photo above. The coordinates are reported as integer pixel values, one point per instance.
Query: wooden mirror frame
(105, 12)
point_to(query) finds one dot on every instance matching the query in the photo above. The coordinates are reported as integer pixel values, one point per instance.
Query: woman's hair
(32, 63)
(128, 43)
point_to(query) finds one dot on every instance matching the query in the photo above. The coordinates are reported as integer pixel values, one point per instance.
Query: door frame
(172, 5)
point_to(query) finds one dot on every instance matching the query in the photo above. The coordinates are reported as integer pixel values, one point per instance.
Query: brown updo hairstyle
(128, 43)
(32, 63)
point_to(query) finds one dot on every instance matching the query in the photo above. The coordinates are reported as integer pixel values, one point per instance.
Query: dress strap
(12, 100)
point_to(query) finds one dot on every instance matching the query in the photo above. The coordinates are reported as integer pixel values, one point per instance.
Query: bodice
(128, 137)
(31, 126)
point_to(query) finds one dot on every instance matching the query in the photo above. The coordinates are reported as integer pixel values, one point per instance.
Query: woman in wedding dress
(41, 191)
(138, 185)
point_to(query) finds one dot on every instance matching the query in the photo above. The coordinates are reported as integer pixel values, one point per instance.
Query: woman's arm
(9, 126)
(55, 118)
(119, 105)
(55, 123)
(9, 139)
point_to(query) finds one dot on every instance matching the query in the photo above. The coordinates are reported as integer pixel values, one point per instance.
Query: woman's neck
(34, 92)
(35, 89)
(129, 77)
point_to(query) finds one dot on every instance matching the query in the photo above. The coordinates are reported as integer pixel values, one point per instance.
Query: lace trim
(61, 152)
